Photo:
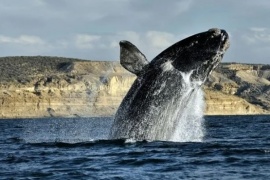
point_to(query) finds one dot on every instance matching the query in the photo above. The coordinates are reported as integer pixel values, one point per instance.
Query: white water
(189, 121)
(182, 118)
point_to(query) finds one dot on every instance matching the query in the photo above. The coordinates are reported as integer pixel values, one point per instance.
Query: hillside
(52, 86)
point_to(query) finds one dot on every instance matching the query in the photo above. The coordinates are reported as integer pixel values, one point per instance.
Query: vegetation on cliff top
(24, 68)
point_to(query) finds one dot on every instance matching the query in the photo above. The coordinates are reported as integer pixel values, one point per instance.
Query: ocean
(233, 147)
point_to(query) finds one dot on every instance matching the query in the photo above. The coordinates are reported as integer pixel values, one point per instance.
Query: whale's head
(199, 53)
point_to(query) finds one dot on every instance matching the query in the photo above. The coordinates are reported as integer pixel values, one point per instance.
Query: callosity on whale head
(155, 102)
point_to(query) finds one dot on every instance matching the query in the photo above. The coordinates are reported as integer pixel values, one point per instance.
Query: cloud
(160, 40)
(257, 35)
(250, 45)
(63, 17)
(158, 7)
(85, 41)
(22, 40)
(150, 43)
(261, 3)
(92, 29)
(257, 29)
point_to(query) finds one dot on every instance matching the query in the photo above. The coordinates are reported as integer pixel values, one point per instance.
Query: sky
(92, 29)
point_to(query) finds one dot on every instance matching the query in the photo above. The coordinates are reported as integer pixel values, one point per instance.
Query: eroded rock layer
(53, 86)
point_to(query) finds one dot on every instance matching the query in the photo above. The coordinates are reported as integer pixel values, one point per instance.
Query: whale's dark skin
(159, 83)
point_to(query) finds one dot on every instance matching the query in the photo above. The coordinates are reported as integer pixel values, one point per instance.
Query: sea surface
(234, 147)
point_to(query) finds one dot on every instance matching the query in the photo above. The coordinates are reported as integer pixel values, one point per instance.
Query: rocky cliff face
(250, 83)
(51, 86)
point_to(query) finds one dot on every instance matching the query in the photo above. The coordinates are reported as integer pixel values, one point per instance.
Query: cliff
(53, 86)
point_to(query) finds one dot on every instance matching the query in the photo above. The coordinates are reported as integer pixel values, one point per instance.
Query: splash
(189, 123)
(172, 110)
(182, 118)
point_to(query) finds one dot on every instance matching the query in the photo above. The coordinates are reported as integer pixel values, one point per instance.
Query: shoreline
(68, 87)
(92, 117)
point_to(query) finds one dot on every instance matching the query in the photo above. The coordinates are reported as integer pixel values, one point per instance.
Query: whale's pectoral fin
(131, 57)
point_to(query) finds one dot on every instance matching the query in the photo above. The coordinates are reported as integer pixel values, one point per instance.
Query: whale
(159, 83)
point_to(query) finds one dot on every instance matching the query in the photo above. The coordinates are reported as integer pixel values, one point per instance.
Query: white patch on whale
(167, 66)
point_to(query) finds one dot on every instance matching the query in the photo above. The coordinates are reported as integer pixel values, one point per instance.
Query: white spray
(189, 125)
(182, 119)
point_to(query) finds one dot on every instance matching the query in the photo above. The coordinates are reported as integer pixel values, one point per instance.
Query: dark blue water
(235, 147)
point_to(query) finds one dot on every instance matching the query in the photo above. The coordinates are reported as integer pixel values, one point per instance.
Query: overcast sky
(91, 29)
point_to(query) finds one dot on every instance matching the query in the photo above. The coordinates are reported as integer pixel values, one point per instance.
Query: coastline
(65, 87)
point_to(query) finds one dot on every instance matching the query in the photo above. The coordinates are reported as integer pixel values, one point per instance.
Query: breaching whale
(159, 83)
